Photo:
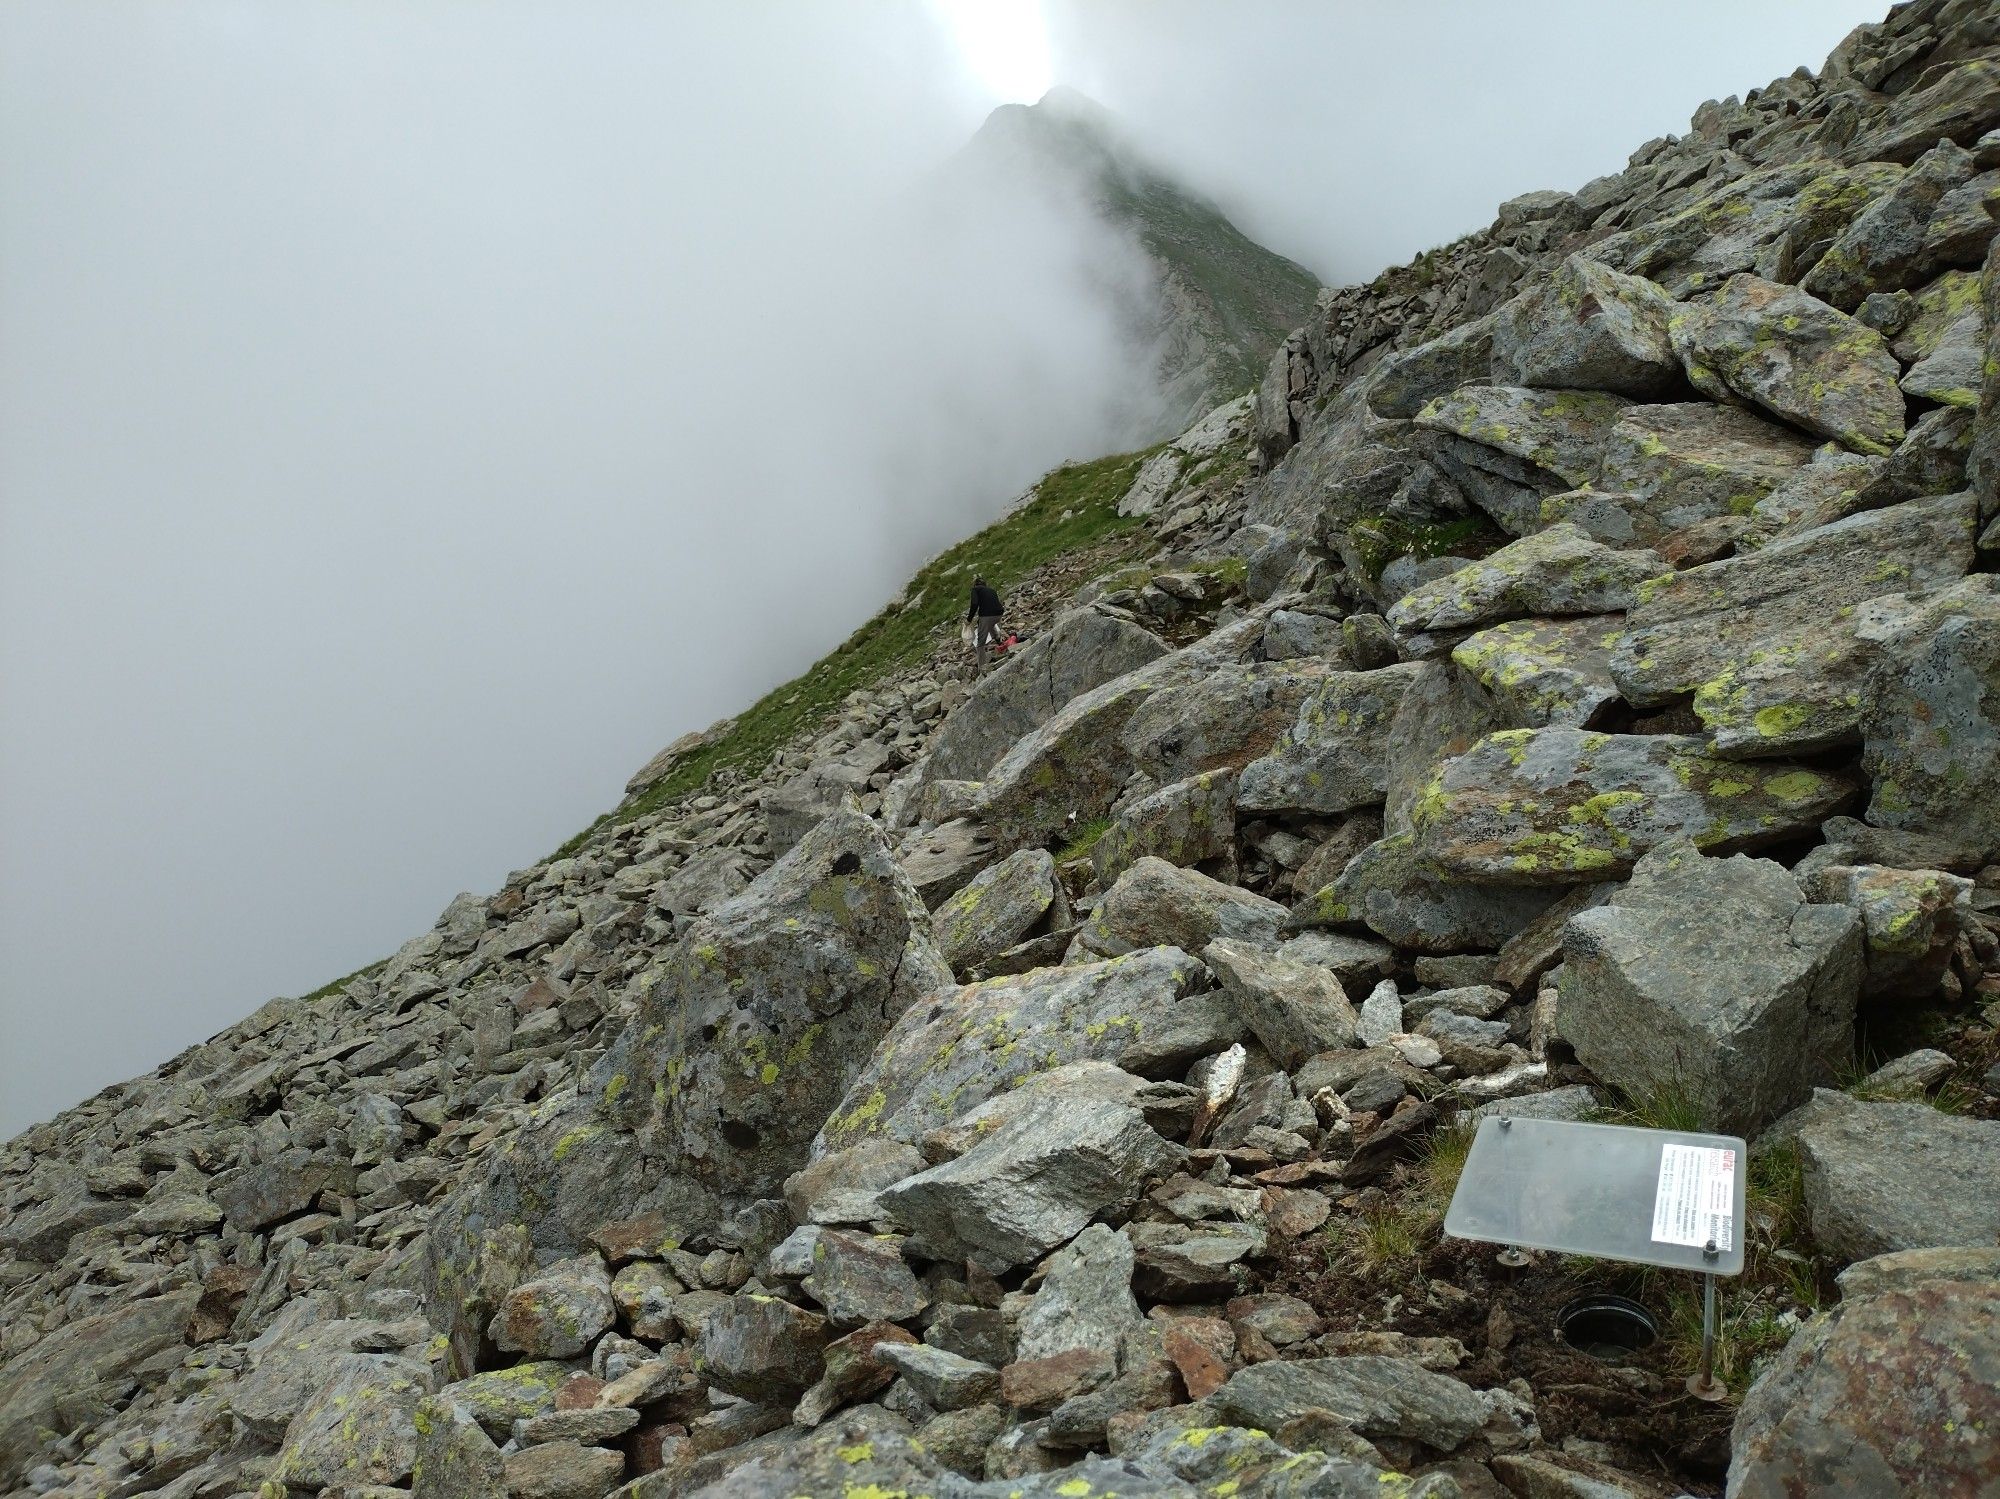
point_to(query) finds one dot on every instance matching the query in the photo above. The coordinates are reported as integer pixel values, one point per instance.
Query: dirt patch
(1636, 1409)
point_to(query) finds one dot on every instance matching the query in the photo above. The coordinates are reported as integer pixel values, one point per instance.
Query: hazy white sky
(415, 412)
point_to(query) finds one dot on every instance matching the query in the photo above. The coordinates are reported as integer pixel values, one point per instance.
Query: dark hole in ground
(1606, 1326)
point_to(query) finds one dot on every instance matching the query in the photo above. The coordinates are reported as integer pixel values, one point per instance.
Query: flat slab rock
(1564, 806)
(1885, 1176)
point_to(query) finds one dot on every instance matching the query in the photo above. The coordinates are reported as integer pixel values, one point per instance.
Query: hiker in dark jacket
(984, 614)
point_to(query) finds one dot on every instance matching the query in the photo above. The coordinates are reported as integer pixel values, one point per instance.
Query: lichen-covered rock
(1564, 806)
(1884, 1176)
(1033, 1182)
(1081, 649)
(1562, 431)
(1220, 721)
(1892, 1394)
(1333, 758)
(1546, 672)
(1674, 466)
(1397, 893)
(1882, 250)
(772, 1001)
(559, 1313)
(455, 1457)
(945, 1380)
(860, 1278)
(1768, 643)
(1378, 1397)
(1554, 572)
(1718, 234)
(1588, 327)
(1931, 729)
(764, 1349)
(971, 1043)
(1412, 378)
(1776, 347)
(562, 1470)
(1295, 1009)
(1910, 920)
(1715, 980)
(360, 1428)
(1952, 371)
(1296, 634)
(1187, 823)
(498, 1398)
(1155, 904)
(1444, 713)
(1001, 905)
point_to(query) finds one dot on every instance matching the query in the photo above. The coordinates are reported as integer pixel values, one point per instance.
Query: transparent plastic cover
(1645, 1196)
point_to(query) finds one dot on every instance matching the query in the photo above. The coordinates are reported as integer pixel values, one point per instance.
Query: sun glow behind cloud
(1003, 43)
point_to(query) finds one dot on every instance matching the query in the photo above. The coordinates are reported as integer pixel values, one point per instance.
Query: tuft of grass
(1074, 507)
(1380, 539)
(1440, 1167)
(341, 983)
(1667, 1107)
(1084, 840)
(1382, 1241)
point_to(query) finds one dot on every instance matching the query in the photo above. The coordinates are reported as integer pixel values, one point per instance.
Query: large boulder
(1885, 1176)
(1220, 721)
(1566, 806)
(1882, 249)
(1588, 327)
(1931, 730)
(1155, 904)
(1911, 920)
(997, 909)
(360, 1428)
(1716, 980)
(1769, 643)
(1187, 823)
(1561, 431)
(1297, 1010)
(1776, 347)
(1085, 1298)
(1397, 893)
(773, 1000)
(1893, 1394)
(1082, 649)
(1666, 468)
(1546, 672)
(1334, 757)
(1034, 1182)
(1554, 572)
(1145, 1011)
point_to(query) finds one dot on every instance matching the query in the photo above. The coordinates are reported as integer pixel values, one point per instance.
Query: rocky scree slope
(1573, 683)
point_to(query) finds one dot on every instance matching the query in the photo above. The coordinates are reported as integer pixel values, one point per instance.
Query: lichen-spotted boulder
(1892, 1394)
(1546, 671)
(1565, 806)
(1390, 888)
(1334, 757)
(1144, 1011)
(773, 1000)
(1221, 720)
(1931, 733)
(1882, 249)
(1674, 466)
(1554, 572)
(1190, 822)
(997, 909)
(1776, 347)
(1883, 1175)
(1158, 904)
(1588, 327)
(1714, 980)
(1768, 642)
(1911, 920)
(360, 1428)
(1562, 431)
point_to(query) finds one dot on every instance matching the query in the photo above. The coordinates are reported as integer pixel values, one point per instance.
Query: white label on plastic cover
(1696, 1198)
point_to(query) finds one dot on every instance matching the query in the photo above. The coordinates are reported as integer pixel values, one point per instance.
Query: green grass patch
(1084, 839)
(1380, 539)
(1074, 507)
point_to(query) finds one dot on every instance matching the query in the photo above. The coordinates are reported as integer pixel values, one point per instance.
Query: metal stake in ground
(1702, 1384)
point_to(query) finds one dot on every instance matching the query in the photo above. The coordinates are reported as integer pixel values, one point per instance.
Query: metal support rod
(1703, 1385)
